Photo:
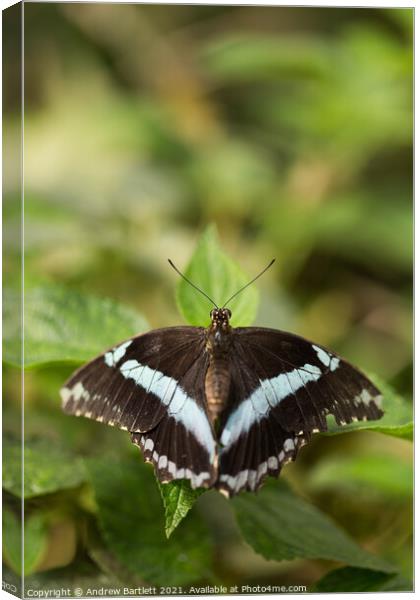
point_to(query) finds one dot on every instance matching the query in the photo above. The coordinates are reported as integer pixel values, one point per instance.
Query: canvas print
(207, 354)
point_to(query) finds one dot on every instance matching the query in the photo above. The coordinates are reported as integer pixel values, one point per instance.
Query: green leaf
(350, 579)
(35, 538)
(108, 563)
(12, 539)
(48, 468)
(281, 526)
(131, 523)
(397, 420)
(64, 325)
(387, 474)
(80, 575)
(219, 277)
(178, 498)
(398, 583)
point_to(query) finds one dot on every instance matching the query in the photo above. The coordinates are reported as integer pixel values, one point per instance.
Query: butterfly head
(220, 318)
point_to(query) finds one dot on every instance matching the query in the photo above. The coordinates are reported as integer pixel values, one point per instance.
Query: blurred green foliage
(290, 129)
(64, 326)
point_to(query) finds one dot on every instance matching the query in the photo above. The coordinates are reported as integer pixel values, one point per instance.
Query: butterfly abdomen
(217, 385)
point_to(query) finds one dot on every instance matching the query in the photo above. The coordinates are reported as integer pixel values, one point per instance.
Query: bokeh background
(291, 130)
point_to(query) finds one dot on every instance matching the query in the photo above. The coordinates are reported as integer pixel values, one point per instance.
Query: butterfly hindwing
(176, 454)
(283, 387)
(153, 386)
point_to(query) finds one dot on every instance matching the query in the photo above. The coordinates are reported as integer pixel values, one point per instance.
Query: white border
(290, 3)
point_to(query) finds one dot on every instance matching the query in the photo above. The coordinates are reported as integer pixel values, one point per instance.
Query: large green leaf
(64, 325)
(397, 420)
(398, 583)
(387, 475)
(131, 522)
(351, 579)
(47, 468)
(35, 540)
(281, 526)
(178, 498)
(219, 277)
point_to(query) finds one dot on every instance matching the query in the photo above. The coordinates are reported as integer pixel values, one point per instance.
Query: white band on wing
(180, 406)
(268, 395)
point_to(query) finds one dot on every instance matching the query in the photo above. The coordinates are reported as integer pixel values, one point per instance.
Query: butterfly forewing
(307, 381)
(153, 386)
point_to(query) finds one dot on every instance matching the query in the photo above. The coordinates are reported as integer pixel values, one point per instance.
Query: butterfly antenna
(191, 283)
(249, 283)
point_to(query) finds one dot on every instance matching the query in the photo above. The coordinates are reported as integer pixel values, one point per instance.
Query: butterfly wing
(153, 387)
(283, 388)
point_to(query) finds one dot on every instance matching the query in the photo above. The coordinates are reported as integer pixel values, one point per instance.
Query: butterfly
(222, 407)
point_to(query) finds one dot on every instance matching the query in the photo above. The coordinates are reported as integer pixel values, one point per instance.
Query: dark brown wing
(153, 386)
(283, 387)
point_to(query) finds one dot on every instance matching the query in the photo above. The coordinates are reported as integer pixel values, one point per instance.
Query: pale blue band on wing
(113, 356)
(180, 406)
(267, 396)
(326, 358)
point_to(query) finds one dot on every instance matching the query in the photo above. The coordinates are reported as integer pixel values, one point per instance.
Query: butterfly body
(222, 407)
(218, 376)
